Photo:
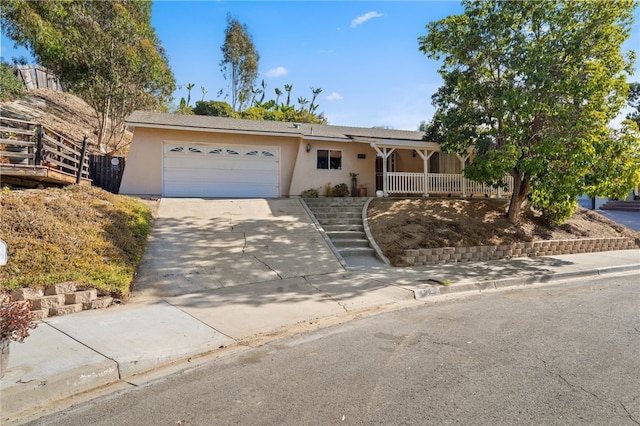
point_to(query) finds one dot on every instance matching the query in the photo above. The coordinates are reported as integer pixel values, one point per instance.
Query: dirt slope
(62, 112)
(399, 224)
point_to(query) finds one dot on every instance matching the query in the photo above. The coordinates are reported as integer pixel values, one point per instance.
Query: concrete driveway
(205, 244)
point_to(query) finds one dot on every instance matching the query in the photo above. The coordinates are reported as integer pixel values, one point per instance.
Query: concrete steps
(341, 219)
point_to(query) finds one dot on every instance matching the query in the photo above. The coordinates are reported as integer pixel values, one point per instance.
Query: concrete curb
(479, 286)
(367, 231)
(94, 354)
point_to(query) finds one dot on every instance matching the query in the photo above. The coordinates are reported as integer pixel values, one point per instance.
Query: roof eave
(209, 129)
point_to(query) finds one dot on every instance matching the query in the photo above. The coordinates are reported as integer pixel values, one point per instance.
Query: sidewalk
(82, 352)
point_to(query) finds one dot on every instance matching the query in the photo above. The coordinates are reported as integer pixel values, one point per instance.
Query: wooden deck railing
(25, 143)
(442, 183)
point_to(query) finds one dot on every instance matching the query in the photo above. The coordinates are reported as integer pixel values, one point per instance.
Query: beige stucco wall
(298, 171)
(406, 162)
(307, 176)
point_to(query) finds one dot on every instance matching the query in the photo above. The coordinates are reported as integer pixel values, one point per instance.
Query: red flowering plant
(16, 319)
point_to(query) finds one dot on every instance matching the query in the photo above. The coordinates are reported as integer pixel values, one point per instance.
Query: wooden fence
(38, 77)
(106, 172)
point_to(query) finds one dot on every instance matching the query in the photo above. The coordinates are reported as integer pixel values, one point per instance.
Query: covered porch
(420, 168)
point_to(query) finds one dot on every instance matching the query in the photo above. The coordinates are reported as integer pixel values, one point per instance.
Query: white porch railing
(442, 183)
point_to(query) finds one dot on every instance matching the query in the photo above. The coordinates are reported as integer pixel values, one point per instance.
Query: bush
(11, 86)
(213, 108)
(310, 193)
(16, 319)
(340, 190)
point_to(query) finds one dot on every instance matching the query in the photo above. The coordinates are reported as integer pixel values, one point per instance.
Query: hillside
(77, 233)
(62, 112)
(400, 224)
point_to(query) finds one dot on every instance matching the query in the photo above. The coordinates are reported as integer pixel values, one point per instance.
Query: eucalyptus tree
(531, 87)
(239, 64)
(106, 52)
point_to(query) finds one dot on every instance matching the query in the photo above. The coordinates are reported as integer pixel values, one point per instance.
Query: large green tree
(106, 52)
(531, 87)
(239, 64)
(634, 102)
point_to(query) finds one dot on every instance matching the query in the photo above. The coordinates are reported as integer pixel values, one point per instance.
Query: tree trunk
(520, 191)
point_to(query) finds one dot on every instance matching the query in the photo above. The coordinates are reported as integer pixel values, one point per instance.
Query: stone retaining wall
(435, 256)
(61, 299)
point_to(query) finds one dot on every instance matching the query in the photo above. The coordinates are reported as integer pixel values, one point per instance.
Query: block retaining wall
(436, 256)
(61, 299)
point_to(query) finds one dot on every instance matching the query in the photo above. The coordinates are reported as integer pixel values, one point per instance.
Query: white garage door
(199, 170)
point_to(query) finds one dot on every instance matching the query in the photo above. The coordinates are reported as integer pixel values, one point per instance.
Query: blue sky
(363, 54)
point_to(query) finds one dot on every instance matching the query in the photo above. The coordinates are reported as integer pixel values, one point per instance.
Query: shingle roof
(204, 123)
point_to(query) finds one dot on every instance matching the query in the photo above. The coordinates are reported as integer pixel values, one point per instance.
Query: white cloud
(364, 18)
(334, 96)
(277, 72)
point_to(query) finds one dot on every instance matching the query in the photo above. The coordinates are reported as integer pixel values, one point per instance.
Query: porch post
(39, 154)
(425, 168)
(464, 181)
(384, 171)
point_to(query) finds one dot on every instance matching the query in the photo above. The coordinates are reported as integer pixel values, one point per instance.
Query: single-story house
(175, 155)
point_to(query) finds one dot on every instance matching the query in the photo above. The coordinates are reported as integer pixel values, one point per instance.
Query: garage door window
(330, 159)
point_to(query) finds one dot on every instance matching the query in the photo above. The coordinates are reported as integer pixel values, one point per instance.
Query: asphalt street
(567, 353)
(629, 219)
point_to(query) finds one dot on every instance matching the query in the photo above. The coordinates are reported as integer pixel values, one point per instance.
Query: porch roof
(397, 143)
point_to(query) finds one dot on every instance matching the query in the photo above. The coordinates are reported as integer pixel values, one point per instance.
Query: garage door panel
(182, 177)
(197, 170)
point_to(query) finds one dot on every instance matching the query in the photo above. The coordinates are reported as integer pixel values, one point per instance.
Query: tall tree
(105, 52)
(531, 88)
(634, 102)
(239, 64)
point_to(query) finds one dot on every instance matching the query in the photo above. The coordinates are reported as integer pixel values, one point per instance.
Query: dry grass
(79, 233)
(400, 224)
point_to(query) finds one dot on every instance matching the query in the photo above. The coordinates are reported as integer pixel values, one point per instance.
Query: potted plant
(354, 184)
(16, 319)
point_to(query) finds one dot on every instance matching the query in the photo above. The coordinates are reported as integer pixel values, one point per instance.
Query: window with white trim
(329, 159)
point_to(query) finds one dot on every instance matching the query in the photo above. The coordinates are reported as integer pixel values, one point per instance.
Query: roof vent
(296, 125)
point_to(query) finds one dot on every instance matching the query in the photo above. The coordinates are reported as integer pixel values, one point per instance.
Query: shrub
(10, 85)
(340, 190)
(16, 319)
(213, 108)
(310, 193)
